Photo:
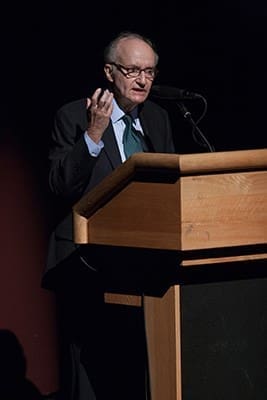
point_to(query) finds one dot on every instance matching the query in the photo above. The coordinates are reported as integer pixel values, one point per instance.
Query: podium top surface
(183, 202)
(181, 164)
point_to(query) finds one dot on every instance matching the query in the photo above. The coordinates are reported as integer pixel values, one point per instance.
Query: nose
(141, 77)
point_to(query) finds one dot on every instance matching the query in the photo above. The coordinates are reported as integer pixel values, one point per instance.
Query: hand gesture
(99, 108)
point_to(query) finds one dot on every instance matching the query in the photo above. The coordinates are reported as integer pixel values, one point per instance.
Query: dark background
(52, 54)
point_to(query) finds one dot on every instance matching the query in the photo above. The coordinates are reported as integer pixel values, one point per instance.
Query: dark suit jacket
(73, 171)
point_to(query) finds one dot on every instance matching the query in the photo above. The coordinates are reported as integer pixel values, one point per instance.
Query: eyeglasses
(134, 72)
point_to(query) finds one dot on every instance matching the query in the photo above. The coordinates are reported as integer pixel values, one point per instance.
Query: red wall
(26, 310)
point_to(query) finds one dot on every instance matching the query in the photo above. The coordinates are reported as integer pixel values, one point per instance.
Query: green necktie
(132, 142)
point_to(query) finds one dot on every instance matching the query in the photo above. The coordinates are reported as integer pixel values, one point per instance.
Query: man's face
(134, 57)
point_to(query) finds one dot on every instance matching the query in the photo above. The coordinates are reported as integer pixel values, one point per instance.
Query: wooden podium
(206, 209)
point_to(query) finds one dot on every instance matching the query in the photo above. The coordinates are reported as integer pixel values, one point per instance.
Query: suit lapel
(111, 148)
(149, 129)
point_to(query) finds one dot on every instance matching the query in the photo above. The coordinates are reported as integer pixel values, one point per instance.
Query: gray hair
(111, 48)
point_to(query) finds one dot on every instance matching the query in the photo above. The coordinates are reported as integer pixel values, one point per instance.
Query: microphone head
(171, 93)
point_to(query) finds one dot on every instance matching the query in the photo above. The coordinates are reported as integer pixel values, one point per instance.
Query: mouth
(140, 91)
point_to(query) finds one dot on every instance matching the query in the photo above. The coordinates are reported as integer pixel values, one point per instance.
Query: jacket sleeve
(70, 164)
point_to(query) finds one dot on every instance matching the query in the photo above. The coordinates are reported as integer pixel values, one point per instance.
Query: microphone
(179, 95)
(172, 93)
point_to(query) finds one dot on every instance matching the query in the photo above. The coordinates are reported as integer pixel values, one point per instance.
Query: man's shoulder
(150, 107)
(73, 112)
(73, 106)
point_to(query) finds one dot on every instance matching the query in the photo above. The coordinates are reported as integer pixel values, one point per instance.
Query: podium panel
(223, 336)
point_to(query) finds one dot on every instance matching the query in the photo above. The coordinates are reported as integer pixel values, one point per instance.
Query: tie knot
(132, 139)
(127, 119)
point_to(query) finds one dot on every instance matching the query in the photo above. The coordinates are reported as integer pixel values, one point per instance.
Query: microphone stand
(187, 115)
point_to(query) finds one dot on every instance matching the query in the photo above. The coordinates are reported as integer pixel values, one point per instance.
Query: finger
(105, 100)
(94, 99)
(109, 102)
(88, 103)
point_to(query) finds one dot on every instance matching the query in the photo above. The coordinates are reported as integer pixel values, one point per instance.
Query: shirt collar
(117, 112)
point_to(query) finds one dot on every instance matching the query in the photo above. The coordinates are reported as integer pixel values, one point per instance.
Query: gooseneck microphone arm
(179, 96)
(187, 115)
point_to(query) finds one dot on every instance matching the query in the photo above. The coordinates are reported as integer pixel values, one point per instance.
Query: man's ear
(109, 72)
